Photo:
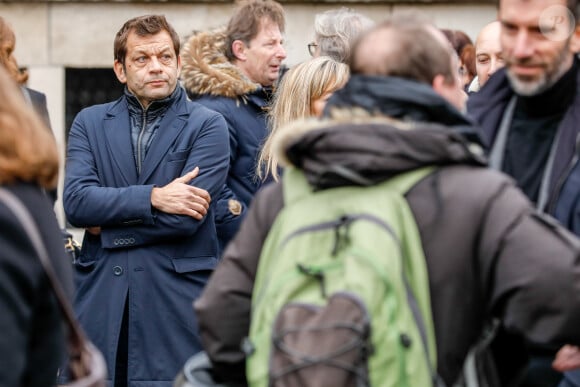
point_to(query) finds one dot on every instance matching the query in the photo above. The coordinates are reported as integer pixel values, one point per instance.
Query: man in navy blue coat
(231, 70)
(150, 242)
(530, 118)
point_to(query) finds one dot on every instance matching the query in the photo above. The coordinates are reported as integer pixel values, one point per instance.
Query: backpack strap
(403, 182)
(296, 186)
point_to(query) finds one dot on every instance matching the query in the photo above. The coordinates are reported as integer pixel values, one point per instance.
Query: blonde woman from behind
(302, 93)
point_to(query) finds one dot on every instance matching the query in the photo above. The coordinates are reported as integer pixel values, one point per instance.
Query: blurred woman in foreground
(32, 345)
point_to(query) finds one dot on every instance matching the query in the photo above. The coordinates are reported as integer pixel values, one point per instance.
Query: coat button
(117, 270)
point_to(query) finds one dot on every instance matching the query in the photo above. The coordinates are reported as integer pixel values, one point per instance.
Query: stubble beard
(545, 81)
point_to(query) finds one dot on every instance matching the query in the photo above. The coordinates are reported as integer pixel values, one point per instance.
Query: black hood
(372, 148)
(402, 99)
(376, 128)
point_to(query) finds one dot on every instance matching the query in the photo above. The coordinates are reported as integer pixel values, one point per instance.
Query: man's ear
(239, 50)
(575, 40)
(438, 84)
(120, 71)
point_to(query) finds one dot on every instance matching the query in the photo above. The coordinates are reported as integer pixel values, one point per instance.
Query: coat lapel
(117, 128)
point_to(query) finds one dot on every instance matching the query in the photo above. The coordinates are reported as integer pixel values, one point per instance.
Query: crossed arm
(177, 197)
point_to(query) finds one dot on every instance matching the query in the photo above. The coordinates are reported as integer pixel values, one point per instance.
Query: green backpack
(341, 296)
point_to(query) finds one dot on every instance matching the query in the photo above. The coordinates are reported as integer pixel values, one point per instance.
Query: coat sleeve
(223, 214)
(533, 266)
(123, 210)
(223, 310)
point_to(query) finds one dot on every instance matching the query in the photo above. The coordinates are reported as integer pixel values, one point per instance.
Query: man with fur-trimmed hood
(231, 70)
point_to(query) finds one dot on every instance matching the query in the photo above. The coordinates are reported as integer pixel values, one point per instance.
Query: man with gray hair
(335, 32)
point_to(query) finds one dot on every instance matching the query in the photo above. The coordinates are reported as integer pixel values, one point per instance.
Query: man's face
(535, 43)
(488, 54)
(151, 67)
(262, 58)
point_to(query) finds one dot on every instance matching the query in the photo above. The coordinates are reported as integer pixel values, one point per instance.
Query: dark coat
(213, 81)
(487, 106)
(159, 261)
(247, 127)
(32, 343)
(38, 101)
(485, 245)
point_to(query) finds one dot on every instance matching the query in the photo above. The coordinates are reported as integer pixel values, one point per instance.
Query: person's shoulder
(36, 201)
(28, 192)
(35, 93)
(269, 201)
(215, 102)
(496, 90)
(101, 108)
(201, 111)
(478, 182)
(226, 106)
(480, 173)
(271, 191)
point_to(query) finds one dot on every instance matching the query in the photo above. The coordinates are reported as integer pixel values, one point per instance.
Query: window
(89, 86)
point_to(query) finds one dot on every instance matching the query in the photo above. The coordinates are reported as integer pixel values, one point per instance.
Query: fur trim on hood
(294, 131)
(373, 147)
(206, 70)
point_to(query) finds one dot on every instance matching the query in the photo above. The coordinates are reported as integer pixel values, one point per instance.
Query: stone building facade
(63, 42)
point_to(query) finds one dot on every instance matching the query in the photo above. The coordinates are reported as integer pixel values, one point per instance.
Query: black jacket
(485, 245)
(32, 343)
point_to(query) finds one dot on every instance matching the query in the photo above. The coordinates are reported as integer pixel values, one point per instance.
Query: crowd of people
(178, 183)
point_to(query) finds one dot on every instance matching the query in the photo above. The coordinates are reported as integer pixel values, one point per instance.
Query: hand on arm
(180, 198)
(94, 230)
(567, 358)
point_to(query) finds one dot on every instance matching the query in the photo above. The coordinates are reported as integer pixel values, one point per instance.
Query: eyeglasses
(312, 48)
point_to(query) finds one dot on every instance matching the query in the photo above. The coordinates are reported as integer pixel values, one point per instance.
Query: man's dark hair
(245, 23)
(410, 49)
(143, 26)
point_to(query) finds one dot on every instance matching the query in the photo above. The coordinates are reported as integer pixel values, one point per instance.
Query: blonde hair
(28, 151)
(299, 88)
(7, 59)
